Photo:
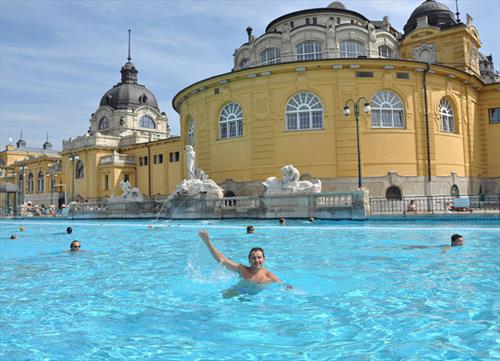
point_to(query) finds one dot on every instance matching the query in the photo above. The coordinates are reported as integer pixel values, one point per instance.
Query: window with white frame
(244, 63)
(270, 56)
(40, 183)
(304, 111)
(20, 183)
(147, 122)
(385, 52)
(351, 49)
(104, 123)
(446, 116)
(309, 50)
(231, 121)
(387, 110)
(79, 171)
(191, 132)
(29, 184)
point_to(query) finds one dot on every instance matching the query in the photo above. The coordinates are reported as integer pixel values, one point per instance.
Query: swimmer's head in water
(21, 229)
(256, 257)
(69, 230)
(250, 229)
(75, 246)
(457, 240)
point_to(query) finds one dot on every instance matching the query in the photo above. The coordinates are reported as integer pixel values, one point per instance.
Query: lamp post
(347, 111)
(73, 158)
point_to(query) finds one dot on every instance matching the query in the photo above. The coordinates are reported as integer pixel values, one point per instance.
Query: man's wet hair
(250, 229)
(69, 230)
(256, 249)
(455, 238)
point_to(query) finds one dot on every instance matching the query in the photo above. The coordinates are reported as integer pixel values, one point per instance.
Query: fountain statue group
(197, 183)
(290, 183)
(129, 194)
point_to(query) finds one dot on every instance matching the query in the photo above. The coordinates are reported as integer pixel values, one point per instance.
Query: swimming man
(255, 273)
(74, 246)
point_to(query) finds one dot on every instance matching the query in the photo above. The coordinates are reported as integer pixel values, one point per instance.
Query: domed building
(128, 140)
(297, 94)
(433, 128)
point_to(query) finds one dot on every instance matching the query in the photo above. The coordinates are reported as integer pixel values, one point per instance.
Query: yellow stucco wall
(489, 136)
(331, 152)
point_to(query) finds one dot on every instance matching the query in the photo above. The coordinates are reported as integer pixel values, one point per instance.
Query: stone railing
(117, 159)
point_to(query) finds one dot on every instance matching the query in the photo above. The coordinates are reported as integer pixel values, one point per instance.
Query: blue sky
(57, 58)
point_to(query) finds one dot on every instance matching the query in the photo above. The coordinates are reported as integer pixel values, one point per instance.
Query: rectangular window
(338, 20)
(106, 182)
(145, 160)
(307, 21)
(140, 161)
(155, 158)
(364, 74)
(216, 91)
(160, 158)
(174, 156)
(126, 177)
(315, 20)
(494, 114)
(291, 24)
(403, 75)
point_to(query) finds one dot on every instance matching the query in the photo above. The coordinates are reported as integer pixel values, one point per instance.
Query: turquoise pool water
(362, 291)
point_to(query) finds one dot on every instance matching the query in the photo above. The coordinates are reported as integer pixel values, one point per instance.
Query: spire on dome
(129, 72)
(21, 142)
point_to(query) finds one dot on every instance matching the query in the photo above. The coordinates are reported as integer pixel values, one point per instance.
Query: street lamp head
(347, 111)
(368, 108)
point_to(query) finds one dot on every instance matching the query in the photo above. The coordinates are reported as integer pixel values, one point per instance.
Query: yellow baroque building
(297, 94)
(433, 128)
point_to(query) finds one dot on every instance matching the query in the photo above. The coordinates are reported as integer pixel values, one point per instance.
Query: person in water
(74, 246)
(254, 273)
(250, 229)
(69, 230)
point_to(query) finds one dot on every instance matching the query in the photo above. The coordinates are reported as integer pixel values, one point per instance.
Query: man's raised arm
(219, 257)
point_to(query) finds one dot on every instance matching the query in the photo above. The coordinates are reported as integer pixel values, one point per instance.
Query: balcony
(119, 160)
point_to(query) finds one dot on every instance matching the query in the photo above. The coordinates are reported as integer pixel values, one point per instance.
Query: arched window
(79, 169)
(351, 49)
(231, 121)
(29, 184)
(446, 116)
(385, 52)
(244, 63)
(191, 132)
(393, 193)
(104, 123)
(454, 191)
(40, 184)
(20, 183)
(270, 56)
(387, 110)
(147, 122)
(309, 50)
(304, 111)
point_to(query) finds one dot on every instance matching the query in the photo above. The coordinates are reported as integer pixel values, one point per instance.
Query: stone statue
(290, 183)
(197, 182)
(190, 162)
(129, 194)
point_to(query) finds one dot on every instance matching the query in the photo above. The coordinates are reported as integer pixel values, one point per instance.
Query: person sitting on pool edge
(74, 246)
(255, 273)
(250, 229)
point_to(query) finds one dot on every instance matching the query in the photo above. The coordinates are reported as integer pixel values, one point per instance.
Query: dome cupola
(438, 15)
(128, 94)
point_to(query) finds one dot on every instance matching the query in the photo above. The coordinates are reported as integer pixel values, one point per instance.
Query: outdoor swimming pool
(361, 292)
